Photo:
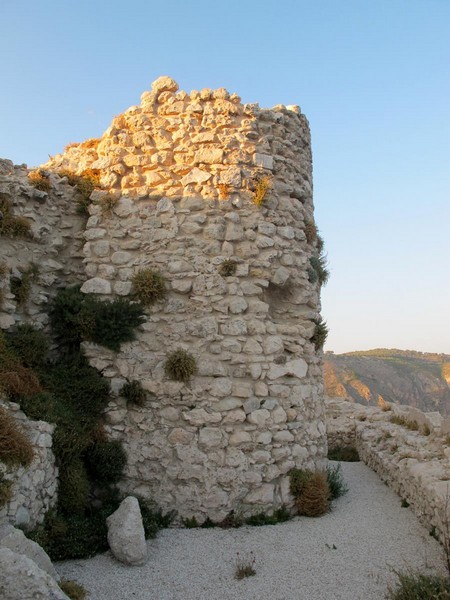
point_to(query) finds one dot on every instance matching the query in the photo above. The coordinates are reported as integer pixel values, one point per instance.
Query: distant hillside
(402, 376)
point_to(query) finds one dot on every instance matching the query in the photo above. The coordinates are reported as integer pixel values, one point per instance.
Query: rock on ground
(126, 536)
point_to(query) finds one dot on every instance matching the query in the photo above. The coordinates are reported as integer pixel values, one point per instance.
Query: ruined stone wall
(34, 488)
(407, 448)
(53, 246)
(183, 169)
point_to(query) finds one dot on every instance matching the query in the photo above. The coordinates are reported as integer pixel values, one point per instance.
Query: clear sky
(372, 76)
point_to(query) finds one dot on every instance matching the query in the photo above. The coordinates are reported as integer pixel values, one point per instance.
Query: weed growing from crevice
(15, 447)
(317, 271)
(262, 184)
(180, 365)
(40, 180)
(227, 268)
(149, 286)
(414, 585)
(21, 286)
(84, 184)
(11, 225)
(134, 393)
(6, 491)
(320, 334)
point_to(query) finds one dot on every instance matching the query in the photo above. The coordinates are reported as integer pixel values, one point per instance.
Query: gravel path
(345, 555)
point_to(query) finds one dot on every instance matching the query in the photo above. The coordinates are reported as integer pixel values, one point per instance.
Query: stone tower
(184, 171)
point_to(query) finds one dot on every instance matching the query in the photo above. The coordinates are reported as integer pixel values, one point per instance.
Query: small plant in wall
(149, 286)
(180, 365)
(134, 393)
(310, 231)
(12, 226)
(320, 334)
(40, 180)
(21, 286)
(263, 184)
(227, 268)
(317, 270)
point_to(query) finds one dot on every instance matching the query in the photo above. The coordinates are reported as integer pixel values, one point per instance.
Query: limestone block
(16, 541)
(227, 404)
(181, 286)
(293, 368)
(259, 417)
(196, 175)
(199, 416)
(180, 436)
(6, 321)
(273, 344)
(263, 160)
(210, 437)
(22, 579)
(164, 84)
(120, 258)
(209, 156)
(237, 305)
(251, 346)
(281, 276)
(96, 285)
(221, 387)
(235, 416)
(240, 437)
(234, 327)
(242, 389)
(126, 536)
(262, 495)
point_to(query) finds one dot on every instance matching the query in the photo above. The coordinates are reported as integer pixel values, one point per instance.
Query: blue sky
(372, 76)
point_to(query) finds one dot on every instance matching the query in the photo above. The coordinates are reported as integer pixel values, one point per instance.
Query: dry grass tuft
(15, 379)
(245, 566)
(310, 231)
(262, 185)
(74, 590)
(13, 226)
(40, 180)
(313, 501)
(15, 447)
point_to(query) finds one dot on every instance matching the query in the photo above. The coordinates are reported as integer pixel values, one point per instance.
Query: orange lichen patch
(71, 145)
(224, 191)
(90, 143)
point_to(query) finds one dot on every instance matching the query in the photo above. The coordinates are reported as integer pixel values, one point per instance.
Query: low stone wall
(407, 448)
(34, 487)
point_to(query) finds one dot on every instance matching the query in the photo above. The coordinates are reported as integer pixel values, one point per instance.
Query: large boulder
(22, 579)
(126, 536)
(15, 540)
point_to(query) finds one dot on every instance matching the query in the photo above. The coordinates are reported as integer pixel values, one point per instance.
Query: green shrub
(149, 286)
(13, 226)
(80, 387)
(180, 365)
(15, 447)
(336, 483)
(75, 316)
(190, 523)
(64, 316)
(73, 590)
(417, 586)
(29, 345)
(106, 460)
(6, 491)
(69, 442)
(134, 393)
(73, 487)
(344, 454)
(227, 268)
(320, 334)
(110, 323)
(317, 270)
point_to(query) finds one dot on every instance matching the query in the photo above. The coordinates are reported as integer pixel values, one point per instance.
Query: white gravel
(296, 560)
